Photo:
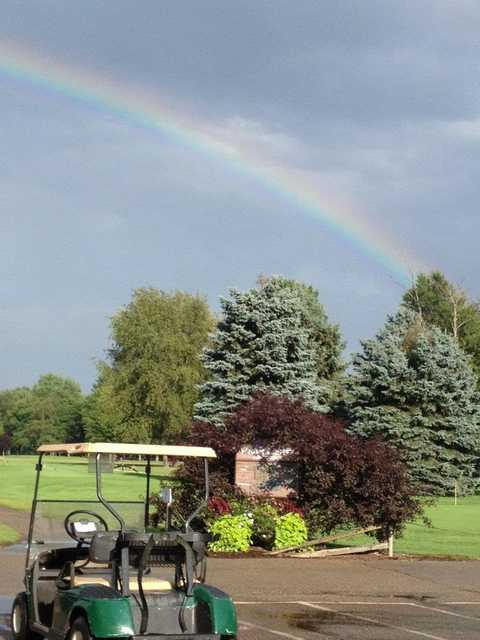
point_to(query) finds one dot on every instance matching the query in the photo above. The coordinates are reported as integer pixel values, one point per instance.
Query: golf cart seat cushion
(149, 583)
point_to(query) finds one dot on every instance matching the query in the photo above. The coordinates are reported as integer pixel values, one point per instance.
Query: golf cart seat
(100, 553)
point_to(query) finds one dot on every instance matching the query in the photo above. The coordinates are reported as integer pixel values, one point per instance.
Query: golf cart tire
(80, 628)
(19, 620)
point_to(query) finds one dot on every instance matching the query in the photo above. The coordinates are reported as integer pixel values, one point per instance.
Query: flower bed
(254, 522)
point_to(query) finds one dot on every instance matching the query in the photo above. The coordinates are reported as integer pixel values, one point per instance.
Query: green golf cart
(94, 570)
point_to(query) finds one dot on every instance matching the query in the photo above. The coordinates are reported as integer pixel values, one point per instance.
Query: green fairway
(65, 478)
(455, 531)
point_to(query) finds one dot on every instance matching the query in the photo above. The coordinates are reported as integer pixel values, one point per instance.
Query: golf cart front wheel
(79, 630)
(19, 621)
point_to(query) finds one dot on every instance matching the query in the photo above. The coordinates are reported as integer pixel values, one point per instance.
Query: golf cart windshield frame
(203, 452)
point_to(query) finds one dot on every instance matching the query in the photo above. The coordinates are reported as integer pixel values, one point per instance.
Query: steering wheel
(68, 524)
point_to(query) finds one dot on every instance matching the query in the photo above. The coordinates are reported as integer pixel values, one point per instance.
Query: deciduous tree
(51, 411)
(105, 415)
(155, 365)
(15, 410)
(442, 304)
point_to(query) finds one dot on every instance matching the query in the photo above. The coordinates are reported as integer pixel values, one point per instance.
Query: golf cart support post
(102, 597)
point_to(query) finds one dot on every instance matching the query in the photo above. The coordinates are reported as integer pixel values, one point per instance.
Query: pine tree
(261, 343)
(413, 385)
(325, 338)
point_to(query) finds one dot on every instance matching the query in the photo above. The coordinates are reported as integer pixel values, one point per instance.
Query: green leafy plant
(290, 530)
(231, 534)
(241, 506)
(264, 519)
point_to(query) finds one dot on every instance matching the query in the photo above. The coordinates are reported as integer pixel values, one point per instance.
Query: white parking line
(264, 602)
(367, 603)
(374, 621)
(336, 602)
(444, 611)
(250, 625)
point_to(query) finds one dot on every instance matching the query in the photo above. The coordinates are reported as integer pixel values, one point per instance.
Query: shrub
(343, 480)
(241, 504)
(261, 510)
(347, 481)
(290, 530)
(231, 534)
(286, 505)
(264, 518)
(218, 506)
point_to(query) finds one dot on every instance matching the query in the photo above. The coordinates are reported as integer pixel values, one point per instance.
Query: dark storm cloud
(378, 101)
(363, 61)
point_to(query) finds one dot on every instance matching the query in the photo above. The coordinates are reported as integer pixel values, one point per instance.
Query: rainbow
(295, 186)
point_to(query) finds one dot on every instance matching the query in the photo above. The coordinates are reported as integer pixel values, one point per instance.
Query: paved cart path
(45, 528)
(342, 598)
(15, 519)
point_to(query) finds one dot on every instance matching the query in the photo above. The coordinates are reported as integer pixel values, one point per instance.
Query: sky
(372, 107)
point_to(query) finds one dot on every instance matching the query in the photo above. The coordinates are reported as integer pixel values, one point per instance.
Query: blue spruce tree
(261, 344)
(414, 386)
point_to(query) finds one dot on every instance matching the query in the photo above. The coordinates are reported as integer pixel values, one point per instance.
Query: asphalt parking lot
(354, 598)
(370, 620)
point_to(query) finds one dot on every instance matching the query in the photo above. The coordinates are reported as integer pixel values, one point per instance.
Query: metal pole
(204, 502)
(107, 506)
(33, 511)
(148, 470)
(390, 545)
(168, 518)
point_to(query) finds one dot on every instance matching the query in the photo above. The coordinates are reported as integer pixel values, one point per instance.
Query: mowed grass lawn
(455, 531)
(65, 478)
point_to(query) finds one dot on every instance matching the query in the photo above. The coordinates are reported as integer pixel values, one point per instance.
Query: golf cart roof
(128, 449)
